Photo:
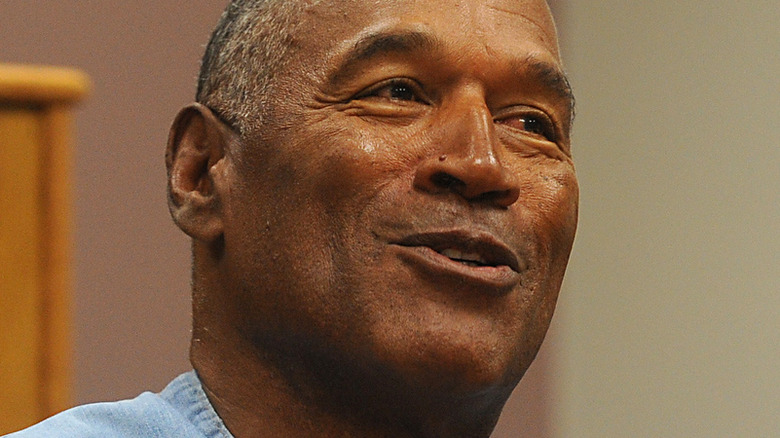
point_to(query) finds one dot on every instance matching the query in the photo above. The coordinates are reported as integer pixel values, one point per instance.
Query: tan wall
(132, 265)
(670, 326)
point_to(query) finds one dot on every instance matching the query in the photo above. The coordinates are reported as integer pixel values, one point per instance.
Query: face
(409, 205)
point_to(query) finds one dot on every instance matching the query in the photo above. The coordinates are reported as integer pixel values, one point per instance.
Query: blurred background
(669, 321)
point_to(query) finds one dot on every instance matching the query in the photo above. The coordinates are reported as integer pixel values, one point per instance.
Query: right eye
(399, 90)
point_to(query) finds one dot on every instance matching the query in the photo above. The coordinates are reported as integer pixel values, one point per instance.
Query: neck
(257, 398)
(258, 394)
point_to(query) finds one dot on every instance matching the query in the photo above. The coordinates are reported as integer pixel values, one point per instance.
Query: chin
(460, 358)
(472, 382)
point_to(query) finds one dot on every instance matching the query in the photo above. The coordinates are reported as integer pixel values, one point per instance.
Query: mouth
(480, 257)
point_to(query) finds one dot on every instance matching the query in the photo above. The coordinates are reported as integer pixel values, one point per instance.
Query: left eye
(533, 125)
(537, 125)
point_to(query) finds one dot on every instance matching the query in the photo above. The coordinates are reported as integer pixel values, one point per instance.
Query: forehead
(329, 26)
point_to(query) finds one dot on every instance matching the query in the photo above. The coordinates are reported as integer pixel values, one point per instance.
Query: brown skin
(323, 305)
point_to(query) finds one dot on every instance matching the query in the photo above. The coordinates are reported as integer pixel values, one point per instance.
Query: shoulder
(124, 419)
(148, 415)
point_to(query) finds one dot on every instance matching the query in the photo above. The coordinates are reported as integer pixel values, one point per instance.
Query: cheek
(551, 207)
(357, 164)
(565, 188)
(553, 197)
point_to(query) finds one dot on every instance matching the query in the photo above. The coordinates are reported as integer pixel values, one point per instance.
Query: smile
(472, 257)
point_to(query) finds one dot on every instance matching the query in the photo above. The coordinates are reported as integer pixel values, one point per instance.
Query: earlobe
(194, 159)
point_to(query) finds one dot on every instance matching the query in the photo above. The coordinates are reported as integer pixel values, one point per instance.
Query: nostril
(446, 181)
(496, 196)
(474, 180)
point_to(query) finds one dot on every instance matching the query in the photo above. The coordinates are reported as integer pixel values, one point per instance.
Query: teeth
(468, 257)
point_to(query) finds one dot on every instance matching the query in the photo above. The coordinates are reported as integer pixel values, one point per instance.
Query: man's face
(410, 203)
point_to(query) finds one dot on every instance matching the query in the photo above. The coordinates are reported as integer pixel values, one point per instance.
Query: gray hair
(248, 46)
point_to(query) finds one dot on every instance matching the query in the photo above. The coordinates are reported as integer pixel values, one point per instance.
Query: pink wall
(131, 264)
(131, 304)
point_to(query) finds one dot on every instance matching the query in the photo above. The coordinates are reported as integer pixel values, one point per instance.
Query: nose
(467, 164)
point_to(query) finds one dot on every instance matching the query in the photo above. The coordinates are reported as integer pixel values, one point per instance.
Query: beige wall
(131, 304)
(670, 325)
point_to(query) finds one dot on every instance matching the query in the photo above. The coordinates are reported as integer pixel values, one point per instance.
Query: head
(381, 198)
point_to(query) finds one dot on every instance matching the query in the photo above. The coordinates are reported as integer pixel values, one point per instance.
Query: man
(382, 202)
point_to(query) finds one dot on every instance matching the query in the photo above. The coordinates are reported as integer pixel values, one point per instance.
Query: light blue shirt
(180, 410)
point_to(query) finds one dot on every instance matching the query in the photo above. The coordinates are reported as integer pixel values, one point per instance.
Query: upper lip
(490, 249)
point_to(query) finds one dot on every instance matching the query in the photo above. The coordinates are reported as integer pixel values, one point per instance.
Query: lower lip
(499, 278)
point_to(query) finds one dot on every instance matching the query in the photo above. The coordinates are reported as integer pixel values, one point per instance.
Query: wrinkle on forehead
(514, 22)
(536, 13)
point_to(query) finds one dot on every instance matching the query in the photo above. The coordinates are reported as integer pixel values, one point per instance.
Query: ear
(195, 162)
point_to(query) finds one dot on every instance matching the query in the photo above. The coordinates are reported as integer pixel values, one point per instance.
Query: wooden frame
(35, 241)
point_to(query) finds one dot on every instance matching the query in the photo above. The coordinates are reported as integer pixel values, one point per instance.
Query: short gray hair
(248, 46)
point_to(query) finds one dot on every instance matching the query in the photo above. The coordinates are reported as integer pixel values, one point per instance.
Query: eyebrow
(391, 42)
(549, 75)
(384, 43)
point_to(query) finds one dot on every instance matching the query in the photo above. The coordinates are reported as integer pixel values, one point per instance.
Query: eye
(401, 92)
(399, 89)
(532, 125)
(535, 124)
